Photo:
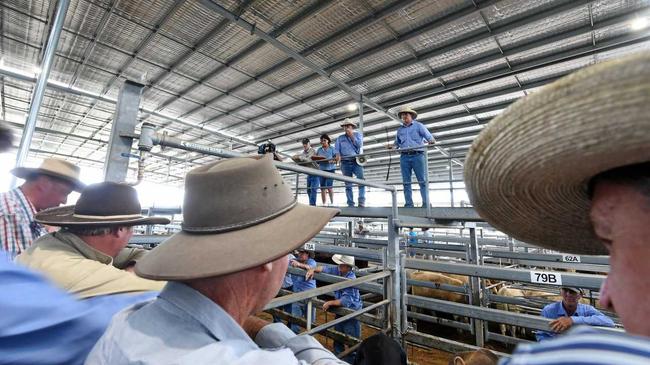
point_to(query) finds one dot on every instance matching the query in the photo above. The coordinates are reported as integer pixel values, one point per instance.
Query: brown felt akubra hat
(53, 167)
(102, 204)
(527, 172)
(237, 214)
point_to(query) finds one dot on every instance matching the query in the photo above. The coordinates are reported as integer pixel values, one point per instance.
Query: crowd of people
(574, 157)
(347, 150)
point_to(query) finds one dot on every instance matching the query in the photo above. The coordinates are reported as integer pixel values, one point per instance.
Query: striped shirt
(17, 226)
(585, 346)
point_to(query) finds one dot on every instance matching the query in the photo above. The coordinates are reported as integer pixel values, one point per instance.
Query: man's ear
(268, 267)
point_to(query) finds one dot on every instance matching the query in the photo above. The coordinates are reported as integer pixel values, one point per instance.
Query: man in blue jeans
(348, 145)
(412, 134)
(313, 181)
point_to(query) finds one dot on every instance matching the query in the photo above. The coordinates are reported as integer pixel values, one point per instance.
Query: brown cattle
(478, 357)
(436, 278)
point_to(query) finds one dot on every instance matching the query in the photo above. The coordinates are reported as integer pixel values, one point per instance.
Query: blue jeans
(349, 168)
(299, 309)
(416, 164)
(352, 328)
(313, 183)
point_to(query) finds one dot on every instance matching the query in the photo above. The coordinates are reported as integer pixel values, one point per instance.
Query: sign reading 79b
(542, 277)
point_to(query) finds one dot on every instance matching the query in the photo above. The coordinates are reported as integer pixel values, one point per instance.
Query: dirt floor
(416, 355)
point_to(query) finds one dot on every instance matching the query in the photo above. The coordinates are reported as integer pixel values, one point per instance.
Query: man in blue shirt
(42, 324)
(348, 145)
(347, 298)
(569, 311)
(305, 261)
(412, 134)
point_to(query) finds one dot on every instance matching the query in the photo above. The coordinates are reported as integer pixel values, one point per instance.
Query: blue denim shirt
(299, 282)
(41, 324)
(329, 153)
(350, 297)
(184, 327)
(416, 134)
(584, 314)
(344, 146)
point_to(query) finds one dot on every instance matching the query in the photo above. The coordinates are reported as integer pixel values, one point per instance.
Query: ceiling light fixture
(352, 107)
(639, 23)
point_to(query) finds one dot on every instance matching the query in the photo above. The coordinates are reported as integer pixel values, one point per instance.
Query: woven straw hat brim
(186, 255)
(64, 217)
(24, 172)
(527, 171)
(338, 259)
(407, 110)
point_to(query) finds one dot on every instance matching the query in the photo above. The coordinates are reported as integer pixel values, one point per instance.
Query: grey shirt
(184, 327)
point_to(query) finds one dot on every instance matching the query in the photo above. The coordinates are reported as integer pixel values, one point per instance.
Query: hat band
(239, 225)
(106, 217)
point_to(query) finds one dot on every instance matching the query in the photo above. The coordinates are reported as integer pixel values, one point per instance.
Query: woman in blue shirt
(328, 165)
(348, 298)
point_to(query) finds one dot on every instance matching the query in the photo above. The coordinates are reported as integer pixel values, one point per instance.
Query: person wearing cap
(346, 298)
(45, 187)
(88, 256)
(569, 312)
(567, 168)
(412, 134)
(326, 183)
(304, 260)
(313, 181)
(348, 145)
(228, 261)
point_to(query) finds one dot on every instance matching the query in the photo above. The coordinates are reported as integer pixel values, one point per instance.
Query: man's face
(305, 146)
(621, 218)
(570, 298)
(348, 129)
(54, 192)
(303, 256)
(407, 118)
(272, 286)
(344, 269)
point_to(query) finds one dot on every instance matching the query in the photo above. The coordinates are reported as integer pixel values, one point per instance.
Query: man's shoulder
(579, 346)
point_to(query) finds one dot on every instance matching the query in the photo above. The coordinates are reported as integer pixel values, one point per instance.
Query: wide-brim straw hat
(343, 259)
(348, 121)
(53, 167)
(528, 171)
(406, 109)
(102, 204)
(238, 214)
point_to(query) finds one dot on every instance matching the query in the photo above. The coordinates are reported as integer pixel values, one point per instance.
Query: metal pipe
(427, 200)
(41, 83)
(344, 318)
(451, 183)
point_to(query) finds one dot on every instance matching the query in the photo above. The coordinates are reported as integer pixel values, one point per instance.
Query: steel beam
(119, 147)
(41, 83)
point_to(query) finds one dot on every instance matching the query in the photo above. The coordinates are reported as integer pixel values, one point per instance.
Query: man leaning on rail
(240, 222)
(568, 168)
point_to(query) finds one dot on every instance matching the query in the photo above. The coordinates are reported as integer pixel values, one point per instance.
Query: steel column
(475, 284)
(451, 182)
(119, 146)
(41, 83)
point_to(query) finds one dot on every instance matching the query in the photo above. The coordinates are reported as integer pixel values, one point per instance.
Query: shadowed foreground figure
(568, 168)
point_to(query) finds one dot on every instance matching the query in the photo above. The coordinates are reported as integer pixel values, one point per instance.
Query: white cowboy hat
(238, 213)
(527, 172)
(406, 109)
(343, 259)
(348, 121)
(53, 167)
